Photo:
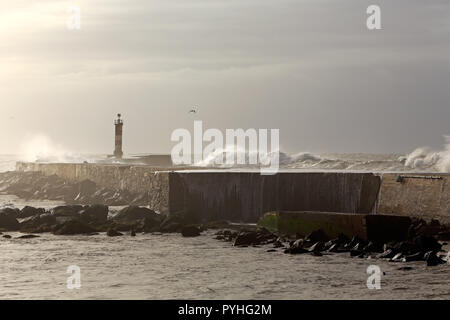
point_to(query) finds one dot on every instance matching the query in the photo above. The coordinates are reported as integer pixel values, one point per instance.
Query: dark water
(168, 266)
(155, 266)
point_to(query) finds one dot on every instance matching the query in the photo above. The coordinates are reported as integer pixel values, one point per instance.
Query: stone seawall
(418, 195)
(136, 179)
(246, 196)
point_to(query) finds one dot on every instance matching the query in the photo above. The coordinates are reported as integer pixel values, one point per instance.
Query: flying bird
(194, 110)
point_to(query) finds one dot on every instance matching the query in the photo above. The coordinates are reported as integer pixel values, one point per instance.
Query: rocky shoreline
(424, 243)
(37, 186)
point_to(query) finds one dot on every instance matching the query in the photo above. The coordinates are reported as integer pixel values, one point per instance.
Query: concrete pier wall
(246, 196)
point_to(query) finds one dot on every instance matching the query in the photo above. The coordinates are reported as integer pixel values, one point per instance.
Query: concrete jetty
(245, 195)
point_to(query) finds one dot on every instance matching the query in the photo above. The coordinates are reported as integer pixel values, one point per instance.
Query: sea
(168, 266)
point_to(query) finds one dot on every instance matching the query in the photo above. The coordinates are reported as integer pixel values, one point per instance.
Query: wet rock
(405, 268)
(66, 211)
(317, 247)
(173, 222)
(27, 236)
(295, 250)
(355, 253)
(334, 248)
(37, 224)
(373, 247)
(97, 213)
(427, 243)
(296, 247)
(397, 258)
(355, 240)
(317, 236)
(73, 227)
(8, 219)
(113, 233)
(134, 213)
(388, 254)
(29, 212)
(190, 231)
(140, 219)
(132, 233)
(271, 250)
(432, 259)
(413, 257)
(7, 236)
(246, 239)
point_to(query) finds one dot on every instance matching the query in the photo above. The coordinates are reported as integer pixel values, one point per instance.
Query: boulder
(427, 243)
(317, 236)
(317, 247)
(133, 214)
(73, 227)
(97, 213)
(7, 236)
(29, 212)
(246, 238)
(190, 231)
(28, 236)
(173, 222)
(113, 233)
(432, 259)
(40, 223)
(66, 211)
(8, 219)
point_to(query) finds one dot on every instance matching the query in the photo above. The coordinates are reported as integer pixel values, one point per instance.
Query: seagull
(194, 110)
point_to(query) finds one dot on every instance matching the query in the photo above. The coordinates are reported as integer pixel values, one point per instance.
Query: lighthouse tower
(118, 153)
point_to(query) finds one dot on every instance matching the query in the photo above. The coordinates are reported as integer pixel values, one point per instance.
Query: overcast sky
(308, 67)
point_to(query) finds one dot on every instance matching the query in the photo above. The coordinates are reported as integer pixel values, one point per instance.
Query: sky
(309, 68)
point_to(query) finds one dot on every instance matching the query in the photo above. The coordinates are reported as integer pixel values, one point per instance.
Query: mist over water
(41, 148)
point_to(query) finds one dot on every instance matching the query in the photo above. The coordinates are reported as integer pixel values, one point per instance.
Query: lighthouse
(118, 153)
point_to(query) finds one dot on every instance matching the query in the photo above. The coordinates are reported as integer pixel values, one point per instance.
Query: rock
(397, 258)
(66, 211)
(413, 257)
(271, 250)
(113, 233)
(373, 247)
(37, 224)
(296, 247)
(85, 188)
(27, 236)
(427, 243)
(246, 239)
(29, 212)
(173, 222)
(334, 248)
(318, 236)
(97, 213)
(355, 240)
(389, 253)
(132, 233)
(133, 214)
(295, 250)
(405, 268)
(7, 236)
(355, 253)
(74, 227)
(317, 247)
(190, 231)
(8, 219)
(432, 259)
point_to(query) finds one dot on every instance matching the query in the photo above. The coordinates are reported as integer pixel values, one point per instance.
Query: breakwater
(247, 195)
